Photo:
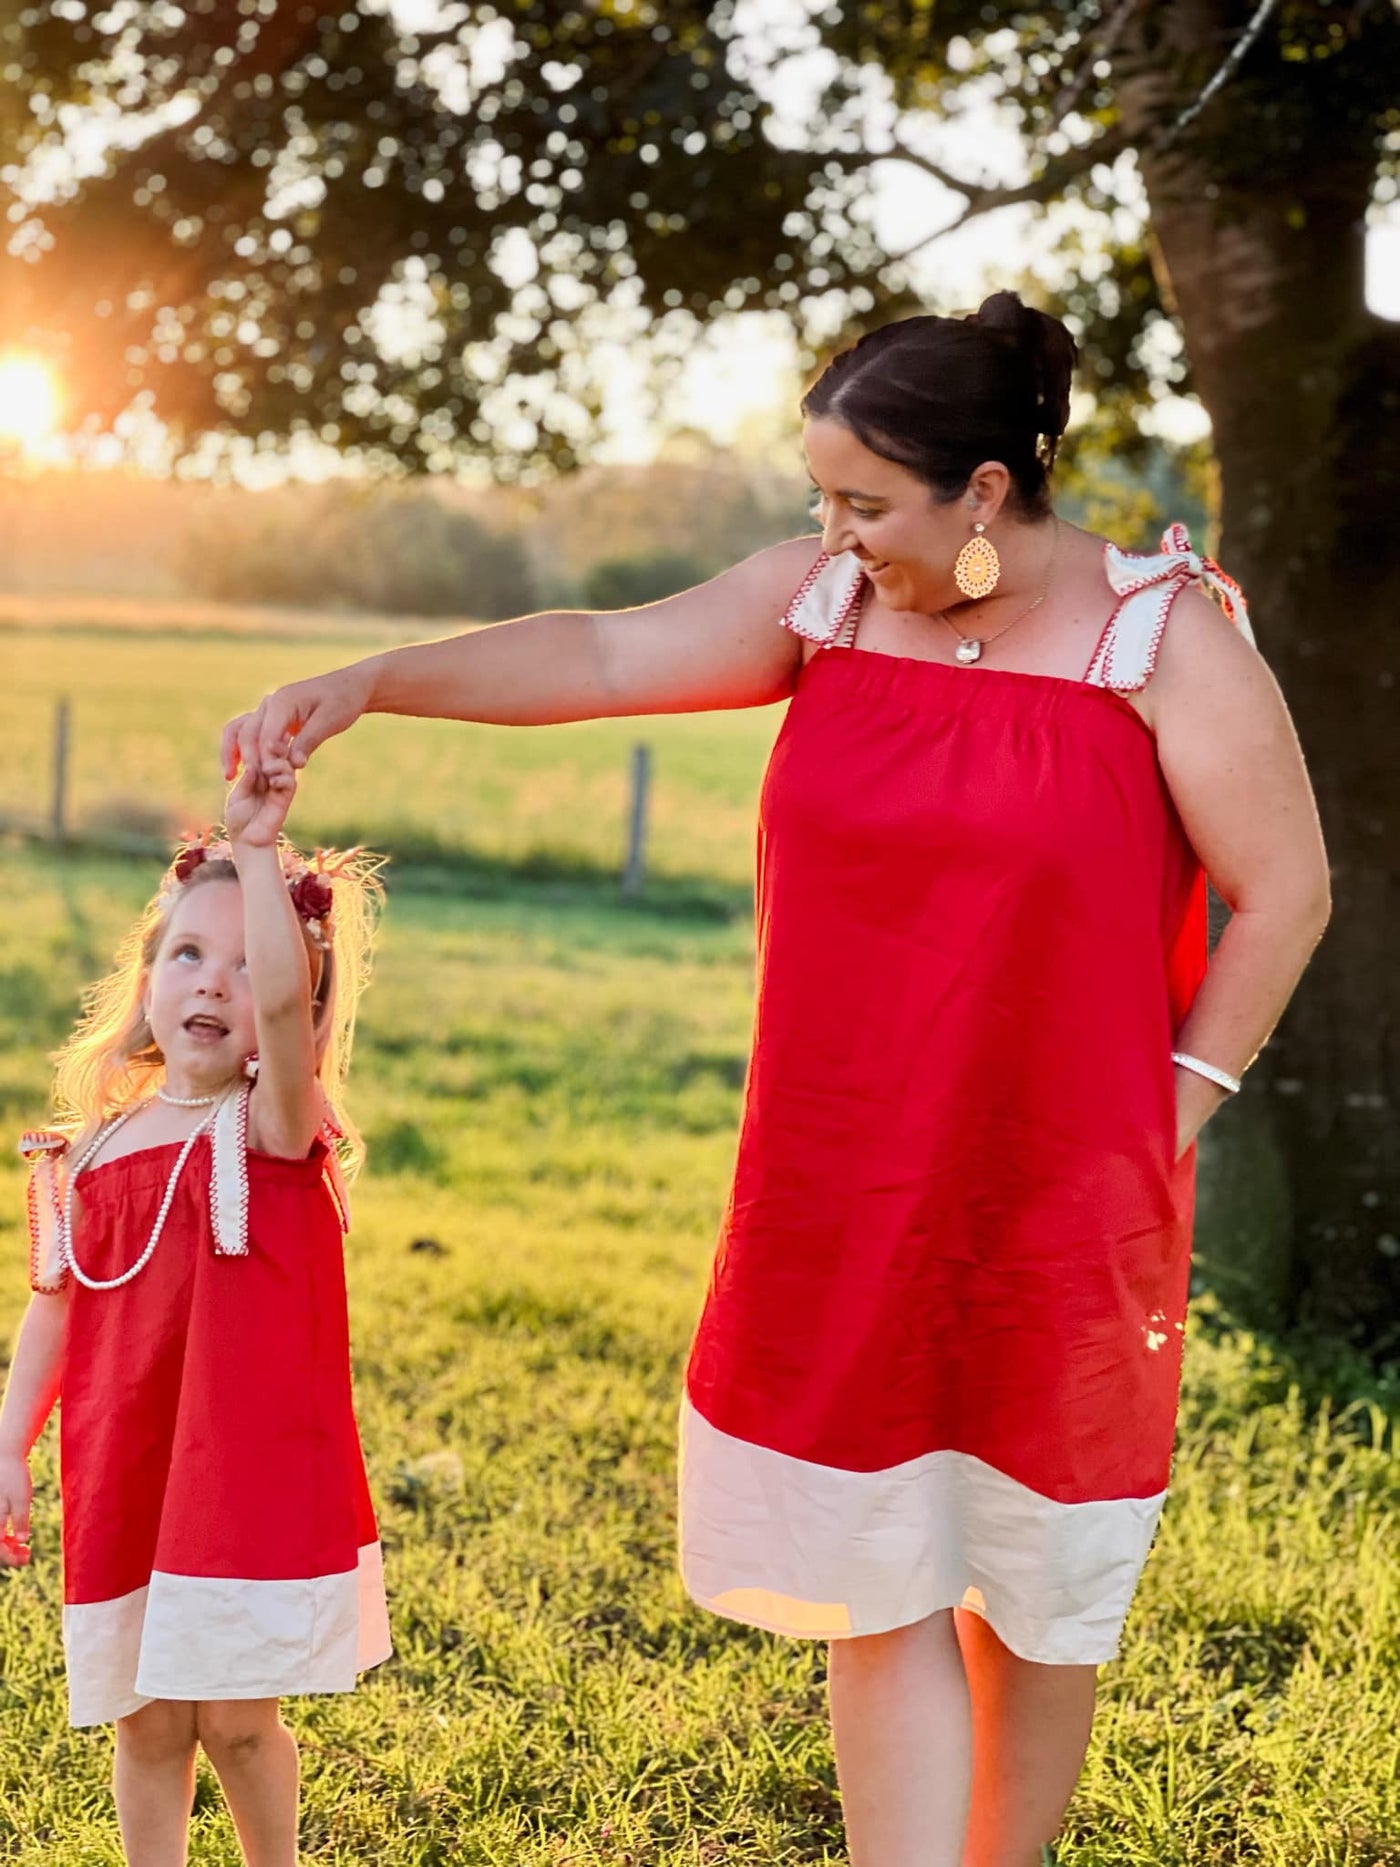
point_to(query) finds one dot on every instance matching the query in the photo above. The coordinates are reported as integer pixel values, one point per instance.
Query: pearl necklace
(187, 1102)
(103, 1136)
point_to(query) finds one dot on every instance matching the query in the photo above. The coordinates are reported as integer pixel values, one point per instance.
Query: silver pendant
(969, 649)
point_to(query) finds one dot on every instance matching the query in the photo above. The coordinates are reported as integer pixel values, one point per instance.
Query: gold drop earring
(977, 567)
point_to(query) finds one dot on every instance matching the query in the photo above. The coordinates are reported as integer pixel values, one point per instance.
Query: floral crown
(309, 883)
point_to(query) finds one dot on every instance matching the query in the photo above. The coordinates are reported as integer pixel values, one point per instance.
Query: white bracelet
(1208, 1070)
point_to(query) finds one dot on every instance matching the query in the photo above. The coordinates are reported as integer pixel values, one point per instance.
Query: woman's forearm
(36, 1370)
(537, 671)
(1252, 975)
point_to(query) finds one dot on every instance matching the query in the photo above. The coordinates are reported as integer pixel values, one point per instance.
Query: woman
(930, 1403)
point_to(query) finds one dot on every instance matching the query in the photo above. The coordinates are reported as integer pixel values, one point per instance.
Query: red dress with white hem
(940, 1353)
(218, 1535)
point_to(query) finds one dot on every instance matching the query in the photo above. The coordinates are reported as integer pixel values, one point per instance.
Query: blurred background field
(550, 1090)
(147, 706)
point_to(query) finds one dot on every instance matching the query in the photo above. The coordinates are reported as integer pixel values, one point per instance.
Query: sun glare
(29, 400)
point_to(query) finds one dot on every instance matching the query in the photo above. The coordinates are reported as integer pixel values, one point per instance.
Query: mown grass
(550, 1094)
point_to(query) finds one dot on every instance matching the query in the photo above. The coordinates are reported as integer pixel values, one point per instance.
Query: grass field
(550, 1096)
(550, 1089)
(147, 707)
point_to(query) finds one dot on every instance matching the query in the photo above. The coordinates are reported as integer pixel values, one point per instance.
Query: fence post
(58, 827)
(634, 872)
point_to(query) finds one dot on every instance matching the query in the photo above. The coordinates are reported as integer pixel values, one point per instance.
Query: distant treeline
(606, 537)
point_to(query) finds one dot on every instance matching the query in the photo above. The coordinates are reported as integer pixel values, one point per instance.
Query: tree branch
(1231, 64)
(1052, 181)
(1107, 41)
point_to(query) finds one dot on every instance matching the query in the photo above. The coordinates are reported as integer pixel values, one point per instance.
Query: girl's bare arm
(36, 1371)
(285, 1110)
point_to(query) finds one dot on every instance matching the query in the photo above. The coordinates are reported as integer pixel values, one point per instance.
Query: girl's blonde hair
(112, 1057)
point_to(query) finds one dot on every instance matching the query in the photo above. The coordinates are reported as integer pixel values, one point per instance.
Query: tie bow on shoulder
(1147, 585)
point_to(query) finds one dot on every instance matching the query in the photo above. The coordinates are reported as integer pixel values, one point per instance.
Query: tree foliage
(411, 242)
(501, 179)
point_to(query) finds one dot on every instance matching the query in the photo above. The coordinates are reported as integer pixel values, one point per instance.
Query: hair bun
(1049, 349)
(1003, 311)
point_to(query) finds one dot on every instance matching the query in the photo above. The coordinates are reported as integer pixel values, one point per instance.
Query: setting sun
(29, 399)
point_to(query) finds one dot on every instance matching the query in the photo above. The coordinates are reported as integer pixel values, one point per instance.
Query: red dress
(939, 1359)
(218, 1536)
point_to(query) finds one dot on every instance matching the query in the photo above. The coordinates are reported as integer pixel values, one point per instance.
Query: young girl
(220, 1548)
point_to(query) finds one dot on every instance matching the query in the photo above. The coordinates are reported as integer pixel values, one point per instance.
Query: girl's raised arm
(713, 647)
(286, 1108)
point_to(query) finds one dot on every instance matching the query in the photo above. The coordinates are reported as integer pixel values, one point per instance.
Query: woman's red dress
(940, 1355)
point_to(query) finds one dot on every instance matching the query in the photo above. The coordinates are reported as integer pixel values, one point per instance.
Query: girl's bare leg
(902, 1727)
(255, 1758)
(1030, 1730)
(153, 1780)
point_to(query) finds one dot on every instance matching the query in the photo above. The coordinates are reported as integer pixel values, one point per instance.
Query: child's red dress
(218, 1536)
(939, 1359)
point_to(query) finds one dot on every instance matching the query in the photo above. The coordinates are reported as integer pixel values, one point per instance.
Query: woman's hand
(291, 723)
(257, 805)
(16, 1489)
(1197, 1099)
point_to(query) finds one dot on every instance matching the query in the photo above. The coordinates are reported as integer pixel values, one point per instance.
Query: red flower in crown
(311, 896)
(188, 861)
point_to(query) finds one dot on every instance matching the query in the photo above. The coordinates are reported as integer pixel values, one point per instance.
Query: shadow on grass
(421, 863)
(1331, 1377)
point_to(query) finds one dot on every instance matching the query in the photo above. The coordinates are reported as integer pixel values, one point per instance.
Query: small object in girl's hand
(16, 1551)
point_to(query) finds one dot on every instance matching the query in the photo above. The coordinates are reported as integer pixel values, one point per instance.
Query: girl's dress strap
(825, 607)
(332, 1134)
(1147, 587)
(44, 1148)
(228, 1181)
(228, 1176)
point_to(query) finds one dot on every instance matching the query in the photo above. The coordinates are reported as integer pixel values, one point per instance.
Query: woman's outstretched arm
(712, 647)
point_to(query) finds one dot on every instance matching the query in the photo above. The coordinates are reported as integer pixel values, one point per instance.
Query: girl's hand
(257, 805)
(15, 1492)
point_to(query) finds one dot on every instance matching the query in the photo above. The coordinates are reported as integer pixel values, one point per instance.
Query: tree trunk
(1265, 269)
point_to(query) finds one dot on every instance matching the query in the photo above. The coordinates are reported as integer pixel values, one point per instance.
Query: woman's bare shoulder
(1206, 667)
(786, 564)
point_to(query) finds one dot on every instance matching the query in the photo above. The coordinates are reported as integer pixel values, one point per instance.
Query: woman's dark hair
(941, 395)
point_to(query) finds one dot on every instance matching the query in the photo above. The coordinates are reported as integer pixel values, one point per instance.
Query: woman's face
(891, 520)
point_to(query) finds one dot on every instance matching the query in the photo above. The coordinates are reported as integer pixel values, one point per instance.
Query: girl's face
(199, 1004)
(890, 520)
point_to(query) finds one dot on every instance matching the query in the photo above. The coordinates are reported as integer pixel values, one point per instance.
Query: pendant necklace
(970, 647)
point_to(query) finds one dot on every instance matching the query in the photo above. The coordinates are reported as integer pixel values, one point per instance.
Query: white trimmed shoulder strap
(1147, 587)
(228, 1177)
(44, 1148)
(228, 1182)
(826, 604)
